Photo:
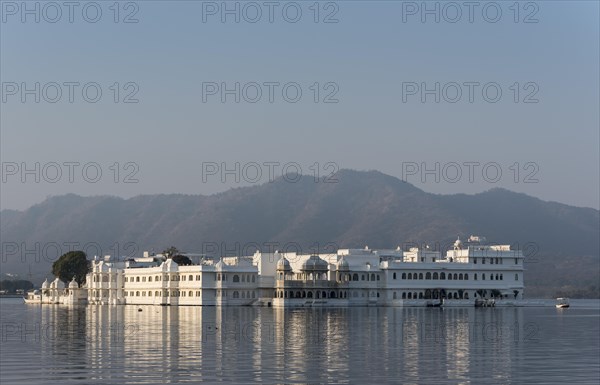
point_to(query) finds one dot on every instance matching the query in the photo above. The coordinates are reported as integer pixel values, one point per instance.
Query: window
(394, 276)
(516, 261)
(466, 276)
(475, 277)
(483, 261)
(403, 275)
(428, 275)
(449, 276)
(150, 279)
(253, 280)
(460, 276)
(198, 277)
(355, 277)
(191, 277)
(420, 275)
(372, 277)
(442, 275)
(483, 277)
(435, 275)
(516, 277)
(475, 260)
(409, 275)
(363, 277)
(236, 278)
(137, 279)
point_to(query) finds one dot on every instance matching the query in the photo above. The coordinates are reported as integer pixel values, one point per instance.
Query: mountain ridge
(361, 208)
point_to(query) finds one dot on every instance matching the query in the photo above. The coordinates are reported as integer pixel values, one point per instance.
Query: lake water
(123, 345)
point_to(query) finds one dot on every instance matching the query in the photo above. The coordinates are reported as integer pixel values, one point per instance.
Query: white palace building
(470, 274)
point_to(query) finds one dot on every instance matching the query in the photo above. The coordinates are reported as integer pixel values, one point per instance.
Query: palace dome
(342, 264)
(283, 264)
(315, 263)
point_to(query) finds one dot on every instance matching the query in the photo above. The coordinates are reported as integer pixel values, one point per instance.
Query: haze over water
(123, 345)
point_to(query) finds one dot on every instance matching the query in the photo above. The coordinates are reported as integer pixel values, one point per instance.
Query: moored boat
(562, 303)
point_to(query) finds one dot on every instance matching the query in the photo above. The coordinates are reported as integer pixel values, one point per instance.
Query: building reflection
(145, 344)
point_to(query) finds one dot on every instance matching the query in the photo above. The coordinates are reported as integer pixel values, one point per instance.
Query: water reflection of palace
(283, 345)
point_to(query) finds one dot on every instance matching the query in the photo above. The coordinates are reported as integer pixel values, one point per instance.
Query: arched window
(372, 277)
(460, 276)
(501, 277)
(442, 275)
(449, 276)
(403, 295)
(409, 275)
(409, 295)
(421, 295)
(355, 277)
(466, 276)
(516, 277)
(403, 275)
(475, 277)
(236, 294)
(236, 278)
(455, 276)
(420, 275)
(324, 294)
(394, 276)
(435, 275)
(483, 277)
(310, 294)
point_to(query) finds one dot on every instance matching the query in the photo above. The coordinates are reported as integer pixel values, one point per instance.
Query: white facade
(351, 277)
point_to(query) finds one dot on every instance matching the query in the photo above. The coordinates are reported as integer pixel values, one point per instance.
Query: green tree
(171, 251)
(182, 260)
(71, 264)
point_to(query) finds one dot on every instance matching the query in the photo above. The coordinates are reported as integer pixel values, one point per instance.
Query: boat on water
(562, 303)
(33, 297)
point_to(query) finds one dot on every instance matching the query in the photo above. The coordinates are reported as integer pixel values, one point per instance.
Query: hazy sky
(375, 70)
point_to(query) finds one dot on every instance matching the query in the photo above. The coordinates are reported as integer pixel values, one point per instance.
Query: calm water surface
(123, 345)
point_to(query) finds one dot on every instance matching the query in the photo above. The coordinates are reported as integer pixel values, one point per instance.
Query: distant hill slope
(362, 208)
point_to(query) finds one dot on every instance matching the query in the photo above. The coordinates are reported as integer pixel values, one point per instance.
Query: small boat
(562, 303)
(33, 297)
